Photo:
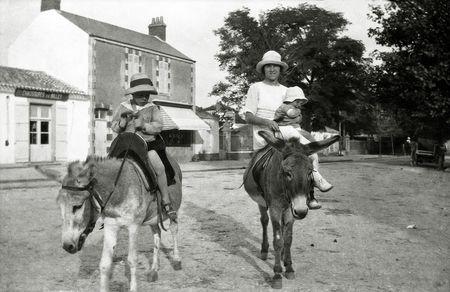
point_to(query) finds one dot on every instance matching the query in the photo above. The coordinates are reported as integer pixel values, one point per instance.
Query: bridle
(93, 197)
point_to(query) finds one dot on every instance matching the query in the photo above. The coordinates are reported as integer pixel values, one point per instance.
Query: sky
(190, 24)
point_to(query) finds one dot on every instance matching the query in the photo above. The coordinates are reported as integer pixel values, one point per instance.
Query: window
(100, 114)
(40, 116)
(133, 63)
(163, 74)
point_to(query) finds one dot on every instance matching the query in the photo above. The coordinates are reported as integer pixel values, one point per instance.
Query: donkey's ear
(271, 139)
(89, 165)
(314, 147)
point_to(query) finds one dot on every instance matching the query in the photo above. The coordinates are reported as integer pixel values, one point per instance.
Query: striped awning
(181, 119)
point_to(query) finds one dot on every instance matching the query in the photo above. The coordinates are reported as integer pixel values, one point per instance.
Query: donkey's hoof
(290, 275)
(152, 276)
(177, 265)
(264, 256)
(277, 282)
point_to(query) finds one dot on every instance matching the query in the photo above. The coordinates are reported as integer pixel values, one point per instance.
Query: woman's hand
(272, 125)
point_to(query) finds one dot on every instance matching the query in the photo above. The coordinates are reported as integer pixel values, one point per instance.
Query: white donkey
(89, 192)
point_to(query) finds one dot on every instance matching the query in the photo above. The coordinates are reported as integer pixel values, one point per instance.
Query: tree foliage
(328, 66)
(413, 80)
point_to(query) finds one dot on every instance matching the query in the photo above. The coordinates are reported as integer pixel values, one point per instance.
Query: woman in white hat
(263, 99)
(143, 117)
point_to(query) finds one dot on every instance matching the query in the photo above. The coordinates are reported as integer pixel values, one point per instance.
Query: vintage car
(428, 151)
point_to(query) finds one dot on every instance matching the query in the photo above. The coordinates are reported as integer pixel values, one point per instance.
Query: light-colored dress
(262, 100)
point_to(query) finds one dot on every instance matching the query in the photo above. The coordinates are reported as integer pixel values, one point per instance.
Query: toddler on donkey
(288, 116)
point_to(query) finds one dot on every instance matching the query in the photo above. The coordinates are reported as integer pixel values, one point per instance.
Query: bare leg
(265, 241)
(158, 166)
(109, 243)
(132, 255)
(176, 253)
(153, 275)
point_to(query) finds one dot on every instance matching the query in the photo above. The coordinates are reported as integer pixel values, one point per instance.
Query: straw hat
(271, 57)
(293, 93)
(141, 82)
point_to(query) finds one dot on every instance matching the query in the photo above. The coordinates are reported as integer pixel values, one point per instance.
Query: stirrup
(170, 212)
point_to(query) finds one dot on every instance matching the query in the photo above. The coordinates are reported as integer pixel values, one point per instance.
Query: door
(40, 125)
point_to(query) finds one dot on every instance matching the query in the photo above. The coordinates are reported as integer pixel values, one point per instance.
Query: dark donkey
(285, 182)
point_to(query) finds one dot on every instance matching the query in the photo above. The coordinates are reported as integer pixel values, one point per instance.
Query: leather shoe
(321, 183)
(313, 204)
(171, 212)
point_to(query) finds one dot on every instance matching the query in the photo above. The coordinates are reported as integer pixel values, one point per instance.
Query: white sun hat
(293, 93)
(271, 57)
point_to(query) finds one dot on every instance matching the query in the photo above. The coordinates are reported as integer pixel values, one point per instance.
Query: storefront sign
(41, 94)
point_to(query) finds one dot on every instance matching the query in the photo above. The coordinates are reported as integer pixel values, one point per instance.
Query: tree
(413, 79)
(330, 68)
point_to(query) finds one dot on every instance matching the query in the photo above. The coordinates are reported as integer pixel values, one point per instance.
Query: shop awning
(181, 119)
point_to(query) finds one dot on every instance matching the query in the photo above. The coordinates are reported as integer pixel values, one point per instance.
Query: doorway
(40, 136)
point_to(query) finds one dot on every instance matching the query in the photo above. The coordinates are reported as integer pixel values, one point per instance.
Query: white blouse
(263, 100)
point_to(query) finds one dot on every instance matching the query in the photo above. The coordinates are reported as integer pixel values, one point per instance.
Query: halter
(93, 194)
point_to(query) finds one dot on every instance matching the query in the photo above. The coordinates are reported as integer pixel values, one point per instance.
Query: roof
(34, 80)
(126, 36)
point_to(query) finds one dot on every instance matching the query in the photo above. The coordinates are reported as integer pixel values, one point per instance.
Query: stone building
(99, 59)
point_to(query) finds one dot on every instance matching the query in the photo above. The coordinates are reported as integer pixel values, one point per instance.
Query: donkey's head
(77, 211)
(296, 168)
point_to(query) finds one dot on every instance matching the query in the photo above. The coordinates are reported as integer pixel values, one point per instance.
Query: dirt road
(358, 241)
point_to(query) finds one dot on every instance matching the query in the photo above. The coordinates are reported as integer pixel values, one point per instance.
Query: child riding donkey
(140, 115)
(288, 116)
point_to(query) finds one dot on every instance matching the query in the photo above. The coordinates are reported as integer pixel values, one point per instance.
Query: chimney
(50, 4)
(157, 28)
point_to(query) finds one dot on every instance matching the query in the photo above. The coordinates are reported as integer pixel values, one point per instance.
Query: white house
(42, 119)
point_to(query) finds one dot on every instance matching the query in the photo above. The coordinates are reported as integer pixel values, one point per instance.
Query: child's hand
(139, 123)
(126, 114)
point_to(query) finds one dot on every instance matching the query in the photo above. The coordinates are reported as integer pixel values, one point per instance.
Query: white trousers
(288, 132)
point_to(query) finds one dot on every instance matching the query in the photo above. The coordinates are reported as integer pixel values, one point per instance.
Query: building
(41, 118)
(99, 59)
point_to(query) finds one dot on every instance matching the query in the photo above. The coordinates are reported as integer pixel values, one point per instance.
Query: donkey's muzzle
(70, 248)
(299, 207)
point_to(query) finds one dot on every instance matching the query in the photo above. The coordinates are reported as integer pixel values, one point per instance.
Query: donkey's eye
(288, 175)
(76, 208)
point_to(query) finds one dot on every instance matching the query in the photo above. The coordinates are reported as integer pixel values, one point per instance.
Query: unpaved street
(358, 241)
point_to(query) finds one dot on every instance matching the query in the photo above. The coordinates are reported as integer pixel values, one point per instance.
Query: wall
(207, 141)
(109, 63)
(7, 126)
(181, 82)
(78, 119)
(109, 72)
(54, 45)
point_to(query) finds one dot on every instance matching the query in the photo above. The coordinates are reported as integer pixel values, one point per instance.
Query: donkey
(89, 185)
(281, 189)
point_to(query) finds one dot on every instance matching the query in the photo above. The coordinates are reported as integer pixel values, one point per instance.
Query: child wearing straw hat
(141, 116)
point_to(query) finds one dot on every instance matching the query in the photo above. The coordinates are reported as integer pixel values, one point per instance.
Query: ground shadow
(232, 235)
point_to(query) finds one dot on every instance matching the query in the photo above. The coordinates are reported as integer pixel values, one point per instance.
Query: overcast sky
(190, 24)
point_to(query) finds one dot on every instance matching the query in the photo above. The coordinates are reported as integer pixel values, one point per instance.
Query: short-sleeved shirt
(263, 100)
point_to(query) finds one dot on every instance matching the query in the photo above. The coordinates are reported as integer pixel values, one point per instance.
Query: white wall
(7, 121)
(207, 141)
(54, 45)
(78, 117)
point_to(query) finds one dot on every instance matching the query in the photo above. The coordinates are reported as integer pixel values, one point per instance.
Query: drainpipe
(7, 121)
